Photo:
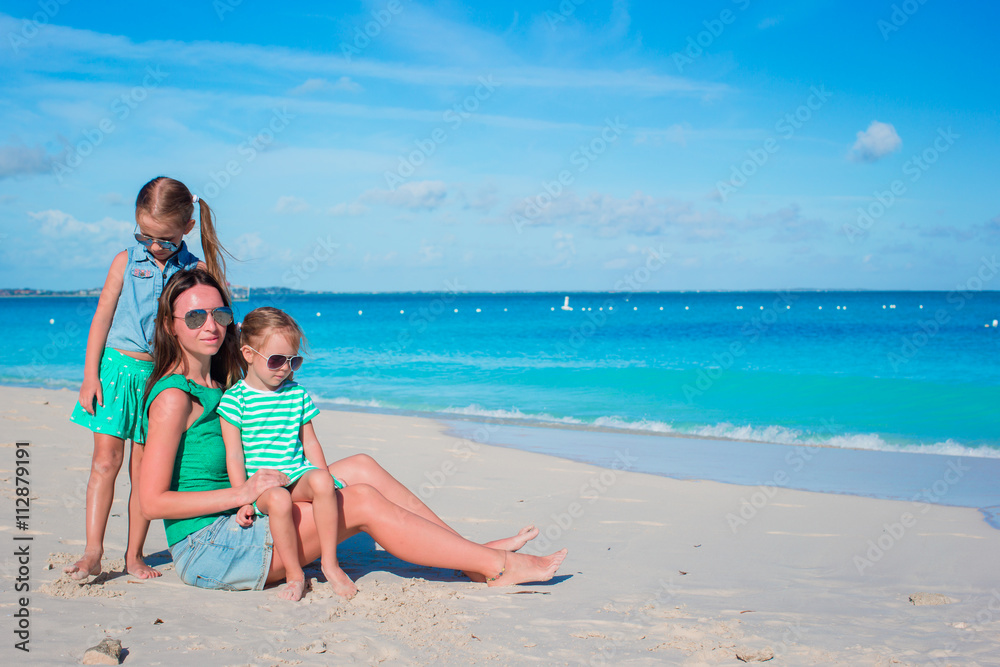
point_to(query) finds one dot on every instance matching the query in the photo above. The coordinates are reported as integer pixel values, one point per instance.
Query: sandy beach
(660, 571)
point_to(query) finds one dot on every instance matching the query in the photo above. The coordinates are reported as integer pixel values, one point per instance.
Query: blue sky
(396, 145)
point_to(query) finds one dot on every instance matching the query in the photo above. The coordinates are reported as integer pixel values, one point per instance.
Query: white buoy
(685, 307)
(661, 307)
(360, 312)
(553, 309)
(994, 322)
(479, 310)
(821, 307)
(400, 312)
(892, 305)
(566, 305)
(456, 310)
(635, 307)
(762, 307)
(52, 321)
(318, 314)
(611, 307)
(788, 307)
(921, 306)
(505, 310)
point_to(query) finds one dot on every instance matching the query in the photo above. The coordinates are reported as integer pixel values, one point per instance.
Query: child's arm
(236, 466)
(98, 336)
(311, 447)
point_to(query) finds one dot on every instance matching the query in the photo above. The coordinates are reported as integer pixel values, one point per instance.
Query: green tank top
(200, 464)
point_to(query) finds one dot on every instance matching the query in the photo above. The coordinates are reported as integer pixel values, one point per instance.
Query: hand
(245, 516)
(90, 390)
(261, 481)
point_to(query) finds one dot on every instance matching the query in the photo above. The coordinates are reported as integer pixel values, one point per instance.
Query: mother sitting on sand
(183, 479)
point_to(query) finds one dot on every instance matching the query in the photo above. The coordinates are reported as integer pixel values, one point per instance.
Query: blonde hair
(262, 323)
(168, 200)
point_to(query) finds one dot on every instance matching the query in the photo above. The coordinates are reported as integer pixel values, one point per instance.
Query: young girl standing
(119, 355)
(267, 424)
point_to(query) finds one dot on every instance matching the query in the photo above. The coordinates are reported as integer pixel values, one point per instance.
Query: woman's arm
(310, 445)
(98, 336)
(169, 416)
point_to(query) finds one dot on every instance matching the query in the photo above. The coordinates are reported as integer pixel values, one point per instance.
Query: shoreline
(660, 570)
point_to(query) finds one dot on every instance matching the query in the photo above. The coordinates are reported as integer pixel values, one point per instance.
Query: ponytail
(214, 253)
(169, 200)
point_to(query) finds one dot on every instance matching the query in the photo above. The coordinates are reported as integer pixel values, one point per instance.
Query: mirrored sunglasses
(276, 361)
(195, 319)
(148, 241)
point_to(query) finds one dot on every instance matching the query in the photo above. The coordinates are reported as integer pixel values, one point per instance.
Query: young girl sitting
(119, 356)
(267, 424)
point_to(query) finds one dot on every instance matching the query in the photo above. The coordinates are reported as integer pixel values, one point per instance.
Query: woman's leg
(363, 469)
(416, 540)
(109, 452)
(316, 487)
(276, 503)
(138, 527)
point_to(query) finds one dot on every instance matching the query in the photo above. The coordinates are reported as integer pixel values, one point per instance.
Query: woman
(184, 481)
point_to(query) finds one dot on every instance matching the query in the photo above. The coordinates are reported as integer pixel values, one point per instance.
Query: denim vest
(135, 315)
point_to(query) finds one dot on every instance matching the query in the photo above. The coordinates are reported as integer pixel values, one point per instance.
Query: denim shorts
(224, 556)
(123, 382)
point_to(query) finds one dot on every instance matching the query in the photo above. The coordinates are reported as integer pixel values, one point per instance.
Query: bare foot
(86, 566)
(138, 568)
(515, 542)
(339, 581)
(293, 590)
(521, 568)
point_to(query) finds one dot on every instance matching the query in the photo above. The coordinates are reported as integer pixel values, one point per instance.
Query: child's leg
(137, 525)
(276, 503)
(107, 461)
(316, 486)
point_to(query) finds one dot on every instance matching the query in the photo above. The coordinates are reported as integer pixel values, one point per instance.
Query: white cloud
(87, 245)
(248, 246)
(315, 85)
(113, 199)
(289, 204)
(19, 159)
(344, 209)
(420, 195)
(876, 142)
(640, 214)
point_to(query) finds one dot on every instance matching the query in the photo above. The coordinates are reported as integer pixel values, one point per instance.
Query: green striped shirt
(270, 423)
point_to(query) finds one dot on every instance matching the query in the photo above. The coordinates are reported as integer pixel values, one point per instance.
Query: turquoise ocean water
(896, 371)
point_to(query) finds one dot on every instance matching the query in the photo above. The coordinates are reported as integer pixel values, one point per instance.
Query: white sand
(656, 573)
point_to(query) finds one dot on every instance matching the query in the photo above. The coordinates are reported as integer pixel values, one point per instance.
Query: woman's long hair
(225, 369)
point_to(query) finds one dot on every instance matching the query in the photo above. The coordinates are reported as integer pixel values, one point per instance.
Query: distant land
(238, 291)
